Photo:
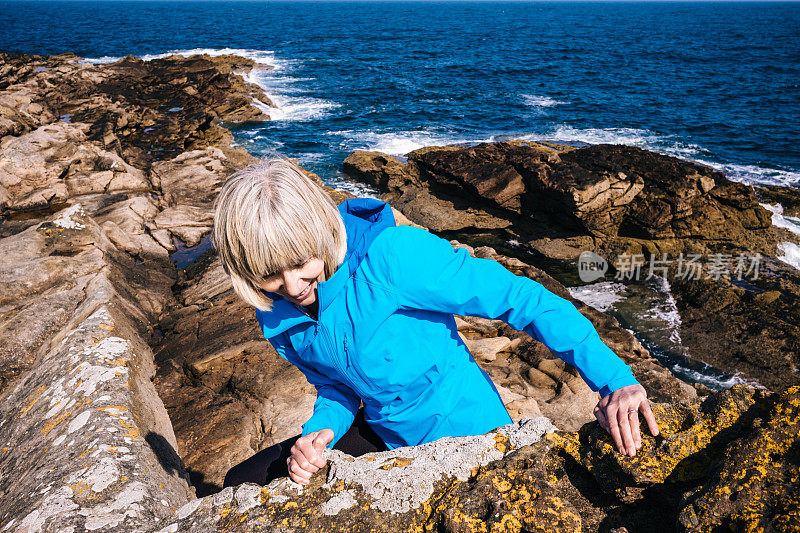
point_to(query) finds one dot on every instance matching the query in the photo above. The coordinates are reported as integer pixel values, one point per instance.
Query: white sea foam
(100, 60)
(755, 175)
(288, 94)
(790, 253)
(601, 295)
(782, 221)
(711, 380)
(300, 109)
(629, 136)
(284, 90)
(360, 190)
(665, 310)
(534, 100)
(399, 142)
(263, 57)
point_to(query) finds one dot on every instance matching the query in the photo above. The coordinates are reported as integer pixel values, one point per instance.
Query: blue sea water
(716, 82)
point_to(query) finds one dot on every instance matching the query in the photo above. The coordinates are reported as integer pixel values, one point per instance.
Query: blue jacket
(386, 334)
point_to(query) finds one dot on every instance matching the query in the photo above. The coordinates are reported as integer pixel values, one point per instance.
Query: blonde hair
(271, 216)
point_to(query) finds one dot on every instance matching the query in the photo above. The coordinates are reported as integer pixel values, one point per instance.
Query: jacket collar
(364, 219)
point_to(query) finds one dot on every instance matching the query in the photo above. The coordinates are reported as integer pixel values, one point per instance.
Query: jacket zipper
(333, 351)
(362, 378)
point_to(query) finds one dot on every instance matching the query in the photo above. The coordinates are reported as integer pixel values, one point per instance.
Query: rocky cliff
(128, 387)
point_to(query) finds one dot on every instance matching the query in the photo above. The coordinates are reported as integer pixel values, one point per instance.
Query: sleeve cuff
(618, 383)
(316, 423)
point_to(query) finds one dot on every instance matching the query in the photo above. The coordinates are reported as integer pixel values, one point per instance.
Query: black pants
(270, 463)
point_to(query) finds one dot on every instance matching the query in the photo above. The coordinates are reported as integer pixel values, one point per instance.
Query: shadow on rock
(167, 457)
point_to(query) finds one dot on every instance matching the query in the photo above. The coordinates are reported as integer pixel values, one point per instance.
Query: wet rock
(747, 329)
(85, 126)
(787, 197)
(168, 105)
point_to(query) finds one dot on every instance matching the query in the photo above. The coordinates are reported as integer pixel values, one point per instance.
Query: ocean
(714, 82)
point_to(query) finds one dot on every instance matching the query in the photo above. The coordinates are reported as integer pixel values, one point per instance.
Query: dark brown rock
(752, 330)
(559, 200)
(788, 197)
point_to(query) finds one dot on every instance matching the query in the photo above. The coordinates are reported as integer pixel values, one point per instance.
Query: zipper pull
(301, 309)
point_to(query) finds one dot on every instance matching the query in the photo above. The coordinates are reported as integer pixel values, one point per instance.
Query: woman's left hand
(618, 413)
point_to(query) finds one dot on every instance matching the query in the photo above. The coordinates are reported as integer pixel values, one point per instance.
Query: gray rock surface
(402, 479)
(392, 484)
(85, 441)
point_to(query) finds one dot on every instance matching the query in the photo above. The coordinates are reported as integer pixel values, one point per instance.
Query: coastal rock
(188, 184)
(54, 163)
(44, 281)
(749, 328)
(187, 222)
(694, 476)
(104, 338)
(755, 485)
(788, 197)
(126, 225)
(74, 131)
(145, 110)
(396, 490)
(48, 271)
(412, 196)
(196, 177)
(85, 442)
(559, 199)
(706, 470)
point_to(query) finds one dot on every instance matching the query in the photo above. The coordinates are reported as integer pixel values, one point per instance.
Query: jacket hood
(364, 219)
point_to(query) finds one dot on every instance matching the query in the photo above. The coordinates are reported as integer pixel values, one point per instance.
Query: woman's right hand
(306, 455)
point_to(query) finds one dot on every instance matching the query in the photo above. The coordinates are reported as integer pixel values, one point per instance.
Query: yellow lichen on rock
(502, 443)
(396, 462)
(757, 488)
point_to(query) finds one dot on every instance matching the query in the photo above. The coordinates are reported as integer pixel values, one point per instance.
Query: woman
(364, 308)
